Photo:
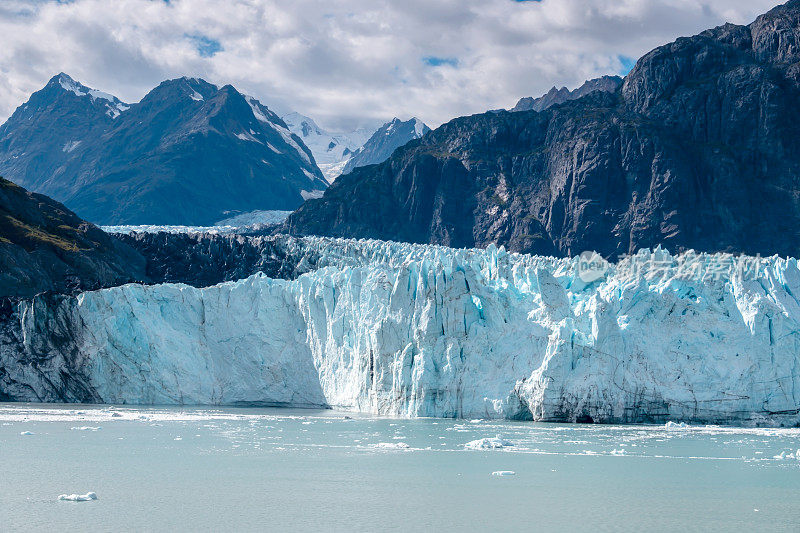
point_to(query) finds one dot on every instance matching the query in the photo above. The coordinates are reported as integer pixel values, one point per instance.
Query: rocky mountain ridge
(385, 141)
(188, 153)
(699, 148)
(607, 84)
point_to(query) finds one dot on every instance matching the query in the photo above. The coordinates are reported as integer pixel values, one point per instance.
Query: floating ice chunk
(488, 443)
(618, 452)
(676, 425)
(788, 455)
(116, 415)
(26, 433)
(504, 473)
(392, 445)
(89, 496)
(85, 428)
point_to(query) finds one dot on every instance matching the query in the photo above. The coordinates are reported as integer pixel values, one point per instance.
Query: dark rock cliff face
(205, 259)
(46, 247)
(699, 148)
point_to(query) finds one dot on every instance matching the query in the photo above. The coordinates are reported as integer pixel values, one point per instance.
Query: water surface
(207, 469)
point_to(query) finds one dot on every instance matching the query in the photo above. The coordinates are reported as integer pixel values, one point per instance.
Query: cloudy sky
(345, 62)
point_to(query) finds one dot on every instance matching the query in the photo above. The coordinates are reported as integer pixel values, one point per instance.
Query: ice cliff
(430, 331)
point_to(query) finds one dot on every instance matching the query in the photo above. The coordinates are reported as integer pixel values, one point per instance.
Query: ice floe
(392, 446)
(488, 443)
(89, 496)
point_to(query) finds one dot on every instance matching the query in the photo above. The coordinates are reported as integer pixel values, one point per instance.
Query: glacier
(421, 330)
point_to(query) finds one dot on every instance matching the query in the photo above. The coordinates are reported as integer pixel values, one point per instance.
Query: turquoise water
(279, 469)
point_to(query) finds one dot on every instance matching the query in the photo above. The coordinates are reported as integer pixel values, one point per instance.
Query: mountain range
(698, 148)
(188, 153)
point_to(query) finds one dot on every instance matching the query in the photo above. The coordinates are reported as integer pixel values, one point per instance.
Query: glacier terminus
(428, 331)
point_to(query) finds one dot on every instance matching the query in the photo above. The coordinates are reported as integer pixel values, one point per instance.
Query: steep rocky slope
(699, 148)
(46, 247)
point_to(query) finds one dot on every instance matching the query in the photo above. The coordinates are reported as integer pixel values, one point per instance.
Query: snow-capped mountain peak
(114, 105)
(188, 153)
(332, 150)
(386, 140)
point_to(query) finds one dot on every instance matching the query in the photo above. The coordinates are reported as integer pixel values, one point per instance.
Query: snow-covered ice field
(206, 469)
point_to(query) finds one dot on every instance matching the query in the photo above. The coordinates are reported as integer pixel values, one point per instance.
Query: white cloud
(344, 62)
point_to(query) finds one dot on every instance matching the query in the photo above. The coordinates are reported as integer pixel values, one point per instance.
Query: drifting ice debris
(89, 496)
(392, 445)
(26, 433)
(504, 473)
(85, 428)
(675, 425)
(488, 443)
(788, 455)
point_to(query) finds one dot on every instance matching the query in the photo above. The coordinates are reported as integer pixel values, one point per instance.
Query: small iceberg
(26, 433)
(504, 473)
(676, 425)
(488, 443)
(89, 496)
(788, 455)
(392, 445)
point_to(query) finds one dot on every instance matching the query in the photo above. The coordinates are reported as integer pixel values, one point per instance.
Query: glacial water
(208, 469)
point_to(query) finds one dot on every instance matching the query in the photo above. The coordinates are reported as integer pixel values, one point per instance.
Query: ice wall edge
(415, 330)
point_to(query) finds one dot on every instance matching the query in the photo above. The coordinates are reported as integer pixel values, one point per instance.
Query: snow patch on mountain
(308, 195)
(249, 137)
(70, 85)
(70, 146)
(257, 111)
(114, 106)
(420, 128)
(95, 94)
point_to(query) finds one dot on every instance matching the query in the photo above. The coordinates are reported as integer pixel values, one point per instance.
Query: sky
(345, 63)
